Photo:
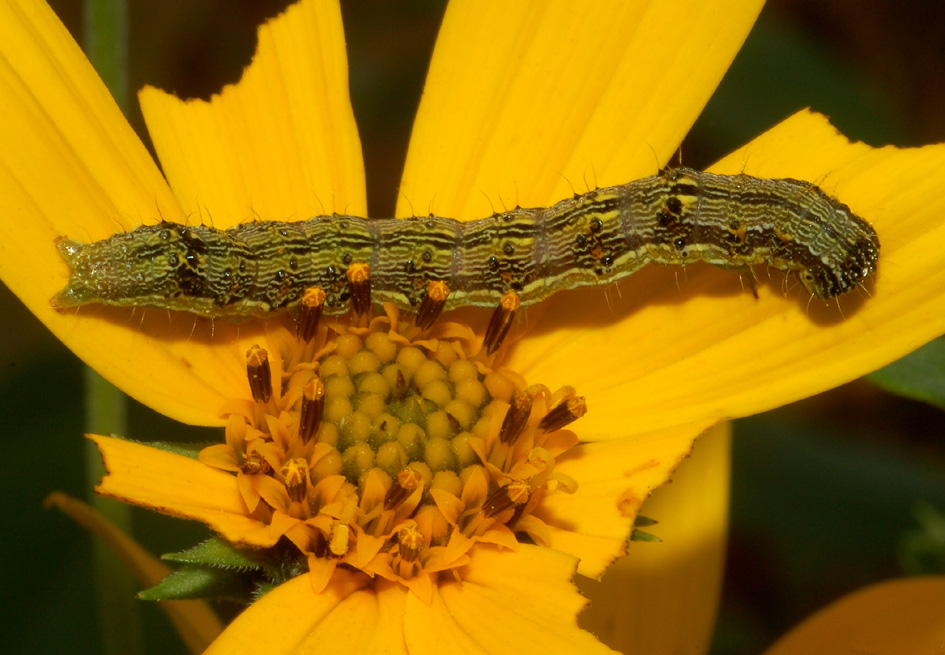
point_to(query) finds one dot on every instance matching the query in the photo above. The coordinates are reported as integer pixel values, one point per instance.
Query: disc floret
(392, 455)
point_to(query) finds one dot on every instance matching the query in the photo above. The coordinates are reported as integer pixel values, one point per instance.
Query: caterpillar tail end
(73, 294)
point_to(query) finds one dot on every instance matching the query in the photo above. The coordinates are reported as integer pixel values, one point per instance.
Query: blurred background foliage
(828, 494)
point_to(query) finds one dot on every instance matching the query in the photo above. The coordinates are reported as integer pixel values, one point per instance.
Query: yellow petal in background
(527, 101)
(714, 351)
(663, 597)
(281, 145)
(195, 621)
(900, 617)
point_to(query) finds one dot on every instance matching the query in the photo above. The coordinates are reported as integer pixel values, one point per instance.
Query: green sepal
(190, 450)
(640, 535)
(262, 589)
(919, 375)
(216, 552)
(203, 582)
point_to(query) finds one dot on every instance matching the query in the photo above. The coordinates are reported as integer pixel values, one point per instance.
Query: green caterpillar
(676, 217)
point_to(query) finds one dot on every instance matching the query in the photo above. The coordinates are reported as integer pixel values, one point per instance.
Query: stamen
(411, 541)
(541, 459)
(295, 474)
(501, 321)
(340, 535)
(564, 413)
(254, 463)
(313, 404)
(260, 377)
(359, 279)
(433, 303)
(406, 483)
(513, 494)
(313, 299)
(516, 418)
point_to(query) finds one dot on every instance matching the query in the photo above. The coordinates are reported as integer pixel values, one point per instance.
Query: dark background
(823, 490)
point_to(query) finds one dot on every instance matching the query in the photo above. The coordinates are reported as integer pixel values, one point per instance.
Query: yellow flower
(521, 103)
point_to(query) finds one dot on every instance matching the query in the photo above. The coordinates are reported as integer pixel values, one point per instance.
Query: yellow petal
(431, 628)
(368, 621)
(284, 619)
(194, 620)
(178, 486)
(70, 165)
(527, 101)
(509, 602)
(280, 145)
(704, 348)
(614, 479)
(900, 617)
(663, 597)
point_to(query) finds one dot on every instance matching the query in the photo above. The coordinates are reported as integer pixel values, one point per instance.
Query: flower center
(373, 449)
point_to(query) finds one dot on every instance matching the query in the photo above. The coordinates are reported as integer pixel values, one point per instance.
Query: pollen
(394, 454)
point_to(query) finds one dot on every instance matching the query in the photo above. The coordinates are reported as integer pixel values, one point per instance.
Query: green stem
(106, 45)
(121, 629)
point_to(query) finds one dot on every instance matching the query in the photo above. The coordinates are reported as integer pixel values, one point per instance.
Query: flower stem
(106, 44)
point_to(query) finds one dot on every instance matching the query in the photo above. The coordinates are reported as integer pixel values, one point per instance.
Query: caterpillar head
(829, 279)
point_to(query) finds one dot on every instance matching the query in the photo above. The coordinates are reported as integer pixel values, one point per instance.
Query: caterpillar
(676, 217)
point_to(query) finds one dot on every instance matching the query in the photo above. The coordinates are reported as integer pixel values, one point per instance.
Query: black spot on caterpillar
(676, 217)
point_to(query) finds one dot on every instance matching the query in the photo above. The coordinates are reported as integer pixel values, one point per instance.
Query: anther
(260, 377)
(410, 540)
(254, 463)
(295, 474)
(313, 299)
(359, 280)
(501, 321)
(434, 300)
(514, 494)
(408, 480)
(338, 539)
(564, 413)
(516, 418)
(313, 403)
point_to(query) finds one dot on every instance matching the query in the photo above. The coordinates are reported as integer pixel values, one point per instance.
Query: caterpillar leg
(746, 275)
